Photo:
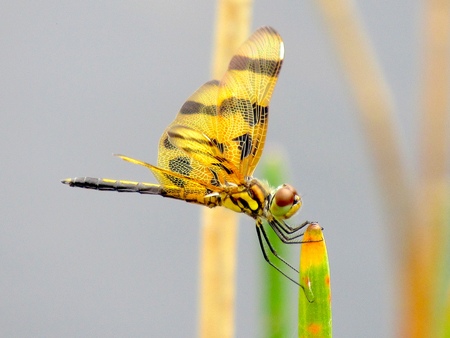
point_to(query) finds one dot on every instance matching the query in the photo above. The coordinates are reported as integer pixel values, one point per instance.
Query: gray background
(82, 80)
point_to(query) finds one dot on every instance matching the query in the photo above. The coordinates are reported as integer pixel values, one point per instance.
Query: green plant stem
(314, 310)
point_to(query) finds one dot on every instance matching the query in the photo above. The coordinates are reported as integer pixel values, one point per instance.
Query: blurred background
(82, 80)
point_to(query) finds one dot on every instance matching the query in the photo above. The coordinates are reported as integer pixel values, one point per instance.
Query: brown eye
(285, 202)
(284, 196)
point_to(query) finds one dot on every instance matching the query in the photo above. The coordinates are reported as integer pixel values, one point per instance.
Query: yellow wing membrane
(219, 133)
(188, 147)
(244, 97)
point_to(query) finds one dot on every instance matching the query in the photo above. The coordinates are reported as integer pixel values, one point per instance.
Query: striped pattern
(219, 133)
(113, 185)
(216, 140)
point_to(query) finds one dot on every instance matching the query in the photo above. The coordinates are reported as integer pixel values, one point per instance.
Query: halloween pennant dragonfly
(208, 154)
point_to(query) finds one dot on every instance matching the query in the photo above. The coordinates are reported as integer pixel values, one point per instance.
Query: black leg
(273, 250)
(258, 230)
(286, 237)
(289, 229)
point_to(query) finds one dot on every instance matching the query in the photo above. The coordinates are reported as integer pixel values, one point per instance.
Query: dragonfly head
(285, 202)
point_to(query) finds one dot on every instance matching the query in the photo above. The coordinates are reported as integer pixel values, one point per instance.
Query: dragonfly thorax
(250, 198)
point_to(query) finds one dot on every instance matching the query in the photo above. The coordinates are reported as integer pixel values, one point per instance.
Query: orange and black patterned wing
(244, 96)
(188, 147)
(218, 135)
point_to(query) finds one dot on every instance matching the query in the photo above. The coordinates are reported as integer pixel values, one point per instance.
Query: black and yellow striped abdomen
(113, 185)
(106, 184)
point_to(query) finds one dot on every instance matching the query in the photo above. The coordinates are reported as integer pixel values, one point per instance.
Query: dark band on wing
(215, 180)
(234, 105)
(181, 165)
(193, 107)
(219, 145)
(201, 141)
(221, 166)
(167, 144)
(260, 114)
(245, 144)
(258, 66)
(255, 148)
(195, 149)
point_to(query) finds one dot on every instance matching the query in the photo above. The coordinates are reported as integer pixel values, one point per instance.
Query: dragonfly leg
(272, 249)
(259, 230)
(286, 236)
(289, 229)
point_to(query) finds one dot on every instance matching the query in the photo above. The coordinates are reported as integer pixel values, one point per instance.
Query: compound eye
(284, 196)
(285, 201)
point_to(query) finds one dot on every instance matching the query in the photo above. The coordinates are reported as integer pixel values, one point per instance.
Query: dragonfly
(208, 154)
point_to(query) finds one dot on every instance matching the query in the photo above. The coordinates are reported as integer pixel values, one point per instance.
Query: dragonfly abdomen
(113, 185)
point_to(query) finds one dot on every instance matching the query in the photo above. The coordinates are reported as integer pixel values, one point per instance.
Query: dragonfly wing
(218, 135)
(199, 147)
(200, 110)
(244, 96)
(189, 147)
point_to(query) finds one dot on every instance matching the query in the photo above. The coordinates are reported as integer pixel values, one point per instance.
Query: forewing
(244, 96)
(189, 147)
(206, 153)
